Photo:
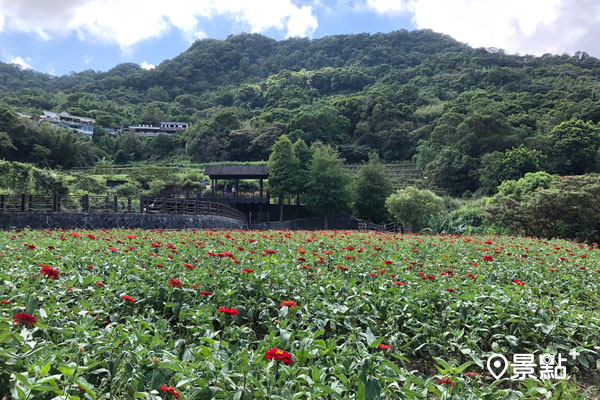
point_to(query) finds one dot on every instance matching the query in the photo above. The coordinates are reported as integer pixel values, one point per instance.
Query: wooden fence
(112, 204)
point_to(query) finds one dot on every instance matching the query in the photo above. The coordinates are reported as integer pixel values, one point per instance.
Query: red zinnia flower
(206, 293)
(450, 290)
(387, 262)
(247, 271)
(398, 283)
(279, 355)
(175, 283)
(25, 319)
(4, 301)
(100, 284)
(49, 272)
(170, 390)
(230, 311)
(128, 298)
(447, 381)
(519, 282)
(385, 346)
(289, 303)
(487, 258)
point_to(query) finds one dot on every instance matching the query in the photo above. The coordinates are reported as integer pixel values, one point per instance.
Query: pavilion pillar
(214, 188)
(260, 185)
(237, 187)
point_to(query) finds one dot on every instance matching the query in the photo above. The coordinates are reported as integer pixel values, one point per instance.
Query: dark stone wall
(335, 221)
(162, 221)
(98, 221)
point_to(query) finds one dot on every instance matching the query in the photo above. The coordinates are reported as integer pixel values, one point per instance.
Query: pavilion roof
(237, 171)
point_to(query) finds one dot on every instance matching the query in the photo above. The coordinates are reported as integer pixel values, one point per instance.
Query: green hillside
(469, 118)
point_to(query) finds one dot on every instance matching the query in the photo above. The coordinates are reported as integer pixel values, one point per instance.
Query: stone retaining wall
(335, 221)
(161, 221)
(99, 221)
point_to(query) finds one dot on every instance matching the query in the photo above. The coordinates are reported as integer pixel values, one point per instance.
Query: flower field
(292, 315)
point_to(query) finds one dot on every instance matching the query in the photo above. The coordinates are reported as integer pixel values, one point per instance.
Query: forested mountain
(470, 117)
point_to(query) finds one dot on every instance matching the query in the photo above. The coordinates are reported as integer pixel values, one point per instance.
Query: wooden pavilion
(235, 173)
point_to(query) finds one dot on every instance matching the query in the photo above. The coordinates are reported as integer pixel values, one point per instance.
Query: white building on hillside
(82, 125)
(165, 128)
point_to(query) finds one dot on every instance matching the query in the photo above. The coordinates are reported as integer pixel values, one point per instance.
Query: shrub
(414, 207)
(128, 189)
(515, 189)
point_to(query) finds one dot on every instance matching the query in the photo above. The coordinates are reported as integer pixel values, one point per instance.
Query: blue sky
(60, 36)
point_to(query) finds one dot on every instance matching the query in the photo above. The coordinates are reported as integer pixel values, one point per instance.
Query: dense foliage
(371, 188)
(282, 315)
(413, 207)
(545, 206)
(469, 116)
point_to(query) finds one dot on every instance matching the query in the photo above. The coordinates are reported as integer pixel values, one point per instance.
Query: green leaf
(369, 336)
(32, 304)
(86, 386)
(51, 378)
(372, 389)
(360, 394)
(66, 370)
(284, 337)
(45, 369)
(463, 367)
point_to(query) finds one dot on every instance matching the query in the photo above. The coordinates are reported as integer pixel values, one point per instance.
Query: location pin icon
(497, 364)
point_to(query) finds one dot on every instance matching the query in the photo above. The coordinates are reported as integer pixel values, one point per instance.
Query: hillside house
(165, 128)
(82, 125)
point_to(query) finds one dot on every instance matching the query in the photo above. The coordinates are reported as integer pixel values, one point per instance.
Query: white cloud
(147, 65)
(87, 59)
(302, 23)
(21, 62)
(128, 22)
(517, 26)
(488, 23)
(388, 6)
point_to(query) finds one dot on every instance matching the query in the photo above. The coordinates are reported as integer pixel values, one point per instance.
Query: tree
(569, 209)
(516, 189)
(452, 170)
(575, 146)
(303, 154)
(282, 165)
(372, 188)
(328, 181)
(414, 207)
(497, 167)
